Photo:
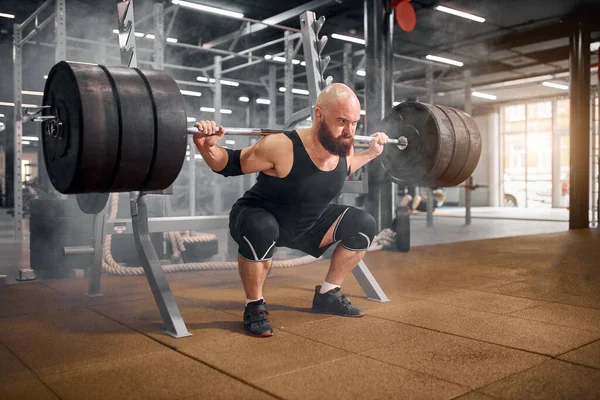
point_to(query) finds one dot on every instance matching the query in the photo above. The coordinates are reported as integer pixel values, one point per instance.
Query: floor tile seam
(417, 372)
(211, 308)
(228, 374)
(467, 308)
(34, 373)
(361, 354)
(466, 337)
(477, 392)
(577, 363)
(96, 364)
(542, 300)
(329, 361)
(597, 331)
(119, 302)
(479, 389)
(453, 382)
(28, 314)
(183, 353)
(580, 346)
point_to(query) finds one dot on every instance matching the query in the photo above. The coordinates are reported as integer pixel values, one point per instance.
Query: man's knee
(257, 236)
(356, 229)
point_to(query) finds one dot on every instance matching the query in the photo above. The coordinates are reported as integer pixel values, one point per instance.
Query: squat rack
(140, 225)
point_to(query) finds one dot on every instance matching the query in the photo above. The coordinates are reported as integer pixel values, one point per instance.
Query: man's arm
(358, 160)
(259, 157)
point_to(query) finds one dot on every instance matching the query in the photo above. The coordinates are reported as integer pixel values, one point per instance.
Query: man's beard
(335, 146)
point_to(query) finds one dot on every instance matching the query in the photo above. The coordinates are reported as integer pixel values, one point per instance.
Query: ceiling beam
(276, 19)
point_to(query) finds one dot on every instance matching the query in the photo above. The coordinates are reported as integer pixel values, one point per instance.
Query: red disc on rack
(406, 17)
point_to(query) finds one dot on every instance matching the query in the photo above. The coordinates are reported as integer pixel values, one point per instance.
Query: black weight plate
(474, 147)
(62, 154)
(461, 149)
(446, 144)
(84, 159)
(430, 143)
(170, 130)
(92, 203)
(136, 124)
(57, 242)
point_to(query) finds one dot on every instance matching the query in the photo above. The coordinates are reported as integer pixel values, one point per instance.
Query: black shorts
(307, 240)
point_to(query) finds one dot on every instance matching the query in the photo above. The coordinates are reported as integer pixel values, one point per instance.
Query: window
(516, 156)
(515, 113)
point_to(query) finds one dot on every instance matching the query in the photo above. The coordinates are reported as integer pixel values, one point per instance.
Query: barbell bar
(401, 142)
(118, 129)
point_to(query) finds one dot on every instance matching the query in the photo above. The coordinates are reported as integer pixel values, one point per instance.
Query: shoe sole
(339, 315)
(262, 335)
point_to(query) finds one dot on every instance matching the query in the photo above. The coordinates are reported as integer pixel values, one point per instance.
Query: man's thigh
(310, 241)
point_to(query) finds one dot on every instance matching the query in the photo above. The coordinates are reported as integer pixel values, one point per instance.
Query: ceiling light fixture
(4, 15)
(244, 99)
(484, 95)
(172, 40)
(295, 91)
(444, 60)
(361, 72)
(263, 101)
(32, 93)
(458, 13)
(190, 93)
(348, 38)
(9, 104)
(213, 10)
(30, 138)
(229, 83)
(556, 85)
(207, 109)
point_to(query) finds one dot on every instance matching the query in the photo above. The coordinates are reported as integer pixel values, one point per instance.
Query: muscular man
(300, 173)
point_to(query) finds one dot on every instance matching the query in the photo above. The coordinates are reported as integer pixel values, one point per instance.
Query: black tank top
(300, 198)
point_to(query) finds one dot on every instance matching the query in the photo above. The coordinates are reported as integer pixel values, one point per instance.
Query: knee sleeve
(257, 235)
(355, 229)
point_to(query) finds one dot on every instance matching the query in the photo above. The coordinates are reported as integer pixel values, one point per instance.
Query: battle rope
(178, 240)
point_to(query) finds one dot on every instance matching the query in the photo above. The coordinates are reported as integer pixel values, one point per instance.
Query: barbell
(118, 129)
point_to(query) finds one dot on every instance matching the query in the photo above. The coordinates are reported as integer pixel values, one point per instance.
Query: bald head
(336, 95)
(337, 114)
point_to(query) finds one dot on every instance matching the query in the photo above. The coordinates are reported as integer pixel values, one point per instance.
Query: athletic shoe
(334, 302)
(256, 319)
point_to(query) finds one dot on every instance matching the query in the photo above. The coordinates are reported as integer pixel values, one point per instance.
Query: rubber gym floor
(510, 318)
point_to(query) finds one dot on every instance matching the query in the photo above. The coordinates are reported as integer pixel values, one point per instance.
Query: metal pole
(494, 160)
(579, 94)
(597, 133)
(18, 134)
(556, 189)
(347, 67)
(272, 95)
(192, 174)
(468, 110)
(378, 102)
(159, 32)
(218, 104)
(593, 158)
(430, 100)
(288, 98)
